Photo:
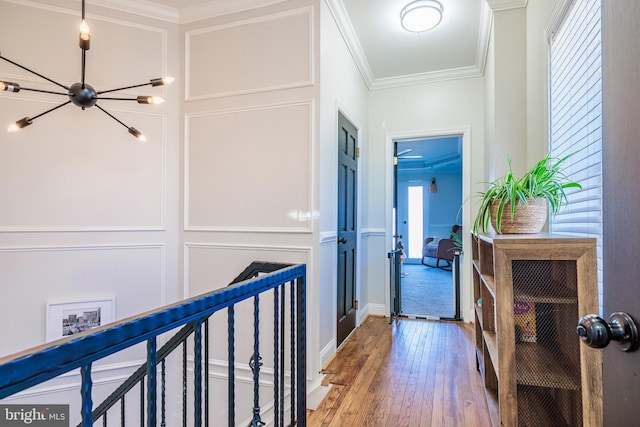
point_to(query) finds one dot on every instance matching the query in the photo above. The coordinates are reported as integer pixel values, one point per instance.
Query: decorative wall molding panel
(271, 161)
(268, 53)
(134, 274)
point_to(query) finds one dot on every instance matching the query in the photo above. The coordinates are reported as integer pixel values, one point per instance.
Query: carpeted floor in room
(427, 292)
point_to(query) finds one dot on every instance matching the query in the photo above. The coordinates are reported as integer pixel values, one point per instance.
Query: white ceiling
(386, 54)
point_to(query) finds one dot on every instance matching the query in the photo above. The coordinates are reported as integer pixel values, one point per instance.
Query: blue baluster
(206, 372)
(152, 358)
(255, 364)
(276, 358)
(85, 391)
(197, 373)
(231, 399)
(301, 340)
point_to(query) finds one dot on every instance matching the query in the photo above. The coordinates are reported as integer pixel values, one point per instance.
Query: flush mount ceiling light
(421, 15)
(82, 94)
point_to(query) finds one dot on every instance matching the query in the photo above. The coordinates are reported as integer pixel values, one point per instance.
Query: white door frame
(466, 303)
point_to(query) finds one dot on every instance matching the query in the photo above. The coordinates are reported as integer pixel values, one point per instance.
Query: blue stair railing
(32, 367)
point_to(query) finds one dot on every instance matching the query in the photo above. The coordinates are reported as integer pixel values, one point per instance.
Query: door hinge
(356, 304)
(357, 152)
(395, 160)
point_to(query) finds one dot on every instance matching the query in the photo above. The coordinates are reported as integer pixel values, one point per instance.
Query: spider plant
(544, 180)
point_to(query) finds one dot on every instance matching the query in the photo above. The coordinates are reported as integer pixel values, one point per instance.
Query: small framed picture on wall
(65, 318)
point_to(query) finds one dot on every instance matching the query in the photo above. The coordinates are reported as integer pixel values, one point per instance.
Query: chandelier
(82, 94)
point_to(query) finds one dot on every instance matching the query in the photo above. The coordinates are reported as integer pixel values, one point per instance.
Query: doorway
(428, 196)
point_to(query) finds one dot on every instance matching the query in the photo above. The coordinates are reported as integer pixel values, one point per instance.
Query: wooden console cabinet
(529, 292)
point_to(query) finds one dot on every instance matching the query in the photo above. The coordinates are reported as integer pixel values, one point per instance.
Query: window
(416, 204)
(575, 122)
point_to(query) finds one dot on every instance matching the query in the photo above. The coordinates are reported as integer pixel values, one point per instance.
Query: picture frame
(65, 318)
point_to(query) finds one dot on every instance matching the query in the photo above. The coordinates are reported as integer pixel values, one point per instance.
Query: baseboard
(326, 354)
(376, 310)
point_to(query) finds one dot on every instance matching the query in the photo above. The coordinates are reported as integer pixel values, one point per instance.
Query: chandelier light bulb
(84, 30)
(85, 37)
(161, 81)
(23, 122)
(9, 87)
(421, 15)
(150, 100)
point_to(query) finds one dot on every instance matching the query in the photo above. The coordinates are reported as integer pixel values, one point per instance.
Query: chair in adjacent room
(441, 249)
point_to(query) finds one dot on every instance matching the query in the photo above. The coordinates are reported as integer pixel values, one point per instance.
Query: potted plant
(519, 205)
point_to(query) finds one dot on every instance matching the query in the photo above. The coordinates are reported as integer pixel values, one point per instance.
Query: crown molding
(211, 9)
(428, 77)
(500, 5)
(351, 39)
(349, 35)
(486, 21)
(217, 8)
(141, 7)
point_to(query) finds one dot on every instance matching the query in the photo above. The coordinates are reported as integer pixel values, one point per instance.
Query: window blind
(575, 122)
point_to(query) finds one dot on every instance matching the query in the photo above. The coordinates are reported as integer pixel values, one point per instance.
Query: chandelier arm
(43, 91)
(115, 99)
(111, 115)
(84, 62)
(123, 88)
(50, 110)
(33, 72)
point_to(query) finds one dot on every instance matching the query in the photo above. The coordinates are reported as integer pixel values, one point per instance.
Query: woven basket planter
(528, 218)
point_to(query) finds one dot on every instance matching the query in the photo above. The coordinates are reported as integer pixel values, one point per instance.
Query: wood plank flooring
(408, 373)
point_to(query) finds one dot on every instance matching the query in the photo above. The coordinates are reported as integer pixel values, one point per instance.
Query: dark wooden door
(621, 193)
(347, 225)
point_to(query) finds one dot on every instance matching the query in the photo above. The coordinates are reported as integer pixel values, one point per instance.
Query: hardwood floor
(409, 373)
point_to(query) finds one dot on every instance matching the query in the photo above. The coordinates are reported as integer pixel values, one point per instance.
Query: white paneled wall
(250, 162)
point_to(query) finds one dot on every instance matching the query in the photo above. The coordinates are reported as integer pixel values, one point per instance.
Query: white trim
(272, 17)
(373, 232)
(327, 352)
(350, 37)
(252, 229)
(501, 5)
(217, 8)
(466, 305)
(427, 77)
(482, 50)
(142, 8)
(556, 18)
(327, 237)
(377, 310)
